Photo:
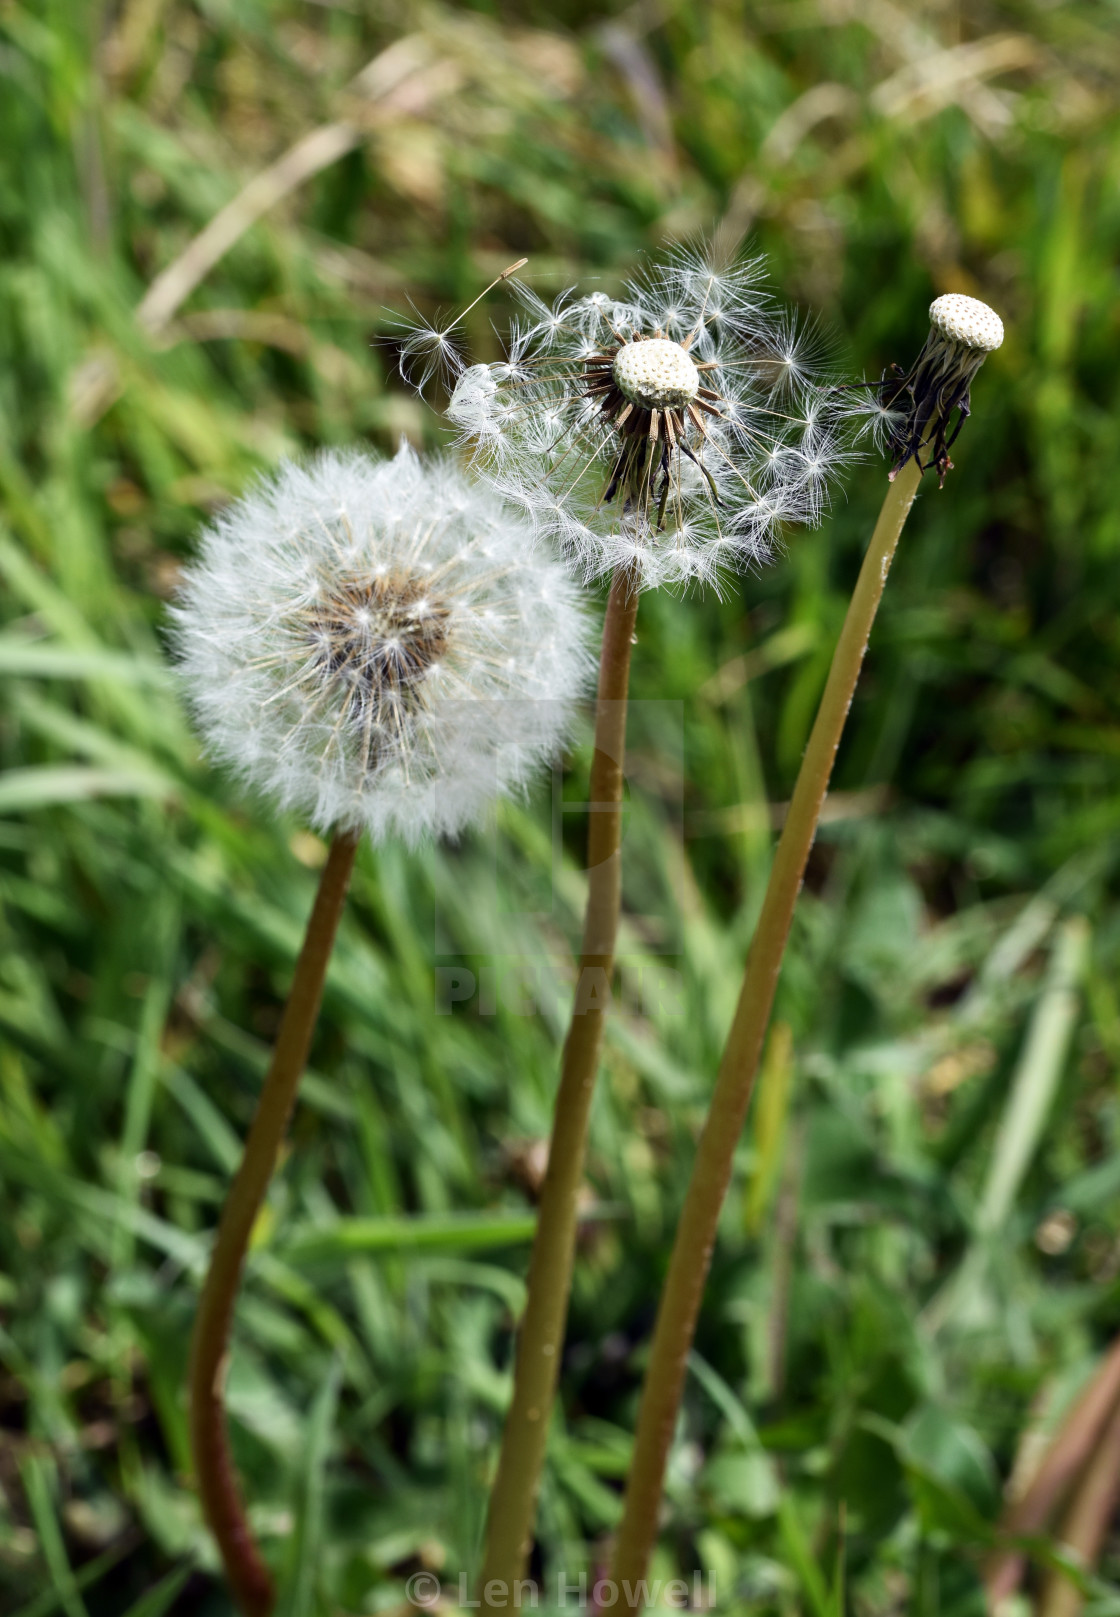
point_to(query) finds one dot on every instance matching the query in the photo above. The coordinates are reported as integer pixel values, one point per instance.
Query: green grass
(874, 1345)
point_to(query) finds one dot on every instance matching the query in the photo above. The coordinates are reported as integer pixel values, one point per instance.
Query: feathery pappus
(671, 431)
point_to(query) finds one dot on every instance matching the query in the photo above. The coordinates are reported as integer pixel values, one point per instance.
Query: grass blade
(39, 787)
(156, 1601)
(1035, 1082)
(452, 1232)
(37, 1487)
(303, 1564)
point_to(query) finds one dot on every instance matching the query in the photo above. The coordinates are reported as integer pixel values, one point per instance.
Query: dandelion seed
(431, 350)
(670, 430)
(378, 644)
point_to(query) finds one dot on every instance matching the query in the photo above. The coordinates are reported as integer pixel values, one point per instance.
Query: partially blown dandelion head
(670, 431)
(377, 644)
(915, 408)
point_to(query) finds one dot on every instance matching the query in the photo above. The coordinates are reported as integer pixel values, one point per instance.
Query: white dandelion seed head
(657, 430)
(379, 645)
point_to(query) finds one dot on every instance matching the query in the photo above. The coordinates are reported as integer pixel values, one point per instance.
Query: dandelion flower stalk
(375, 643)
(961, 336)
(249, 1578)
(1070, 1452)
(541, 1334)
(1086, 1523)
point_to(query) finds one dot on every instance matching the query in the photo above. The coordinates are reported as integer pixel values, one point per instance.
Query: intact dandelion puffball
(669, 432)
(378, 644)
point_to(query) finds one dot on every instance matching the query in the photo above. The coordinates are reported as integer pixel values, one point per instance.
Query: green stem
(248, 1576)
(711, 1173)
(541, 1336)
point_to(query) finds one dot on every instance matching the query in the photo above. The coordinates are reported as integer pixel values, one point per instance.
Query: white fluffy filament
(377, 644)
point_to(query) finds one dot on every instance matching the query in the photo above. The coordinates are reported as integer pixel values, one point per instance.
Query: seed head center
(656, 374)
(381, 637)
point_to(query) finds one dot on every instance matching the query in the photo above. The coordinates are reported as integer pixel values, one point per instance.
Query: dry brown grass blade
(931, 77)
(789, 129)
(919, 47)
(308, 156)
(1064, 1459)
(247, 325)
(923, 88)
(399, 80)
(931, 70)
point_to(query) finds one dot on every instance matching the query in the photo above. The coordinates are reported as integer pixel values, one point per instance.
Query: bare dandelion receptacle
(919, 405)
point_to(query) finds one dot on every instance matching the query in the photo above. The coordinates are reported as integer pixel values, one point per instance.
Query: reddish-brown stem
(541, 1335)
(249, 1578)
(1086, 1522)
(1067, 1455)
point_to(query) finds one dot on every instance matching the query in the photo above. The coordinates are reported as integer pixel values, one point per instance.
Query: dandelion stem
(711, 1173)
(1069, 1452)
(1086, 1524)
(248, 1576)
(541, 1336)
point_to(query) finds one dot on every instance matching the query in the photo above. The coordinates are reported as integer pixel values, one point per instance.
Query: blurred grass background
(920, 1261)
